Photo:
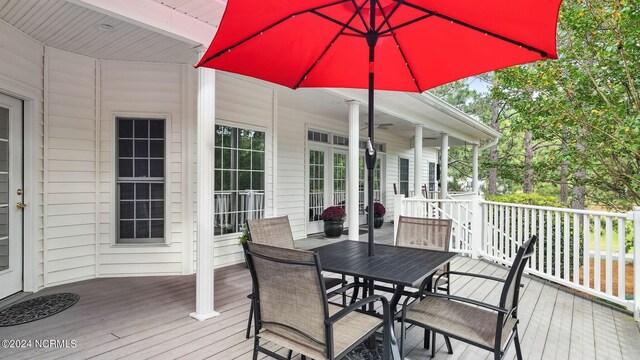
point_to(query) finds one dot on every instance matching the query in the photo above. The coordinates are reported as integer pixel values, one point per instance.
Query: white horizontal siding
(22, 67)
(130, 88)
(71, 180)
(241, 103)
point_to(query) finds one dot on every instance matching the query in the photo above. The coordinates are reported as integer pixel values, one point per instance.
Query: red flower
(378, 209)
(333, 213)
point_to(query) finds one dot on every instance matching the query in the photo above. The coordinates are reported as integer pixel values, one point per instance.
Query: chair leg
(403, 334)
(516, 340)
(433, 344)
(289, 354)
(426, 339)
(255, 348)
(448, 342)
(248, 335)
(344, 294)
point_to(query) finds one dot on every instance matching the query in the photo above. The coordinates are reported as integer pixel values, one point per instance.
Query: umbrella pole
(372, 39)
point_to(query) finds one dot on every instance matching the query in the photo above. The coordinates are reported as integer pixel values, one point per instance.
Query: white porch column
(474, 155)
(205, 146)
(444, 165)
(352, 171)
(417, 161)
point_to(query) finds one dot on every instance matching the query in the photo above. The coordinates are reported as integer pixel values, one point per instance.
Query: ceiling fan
(383, 126)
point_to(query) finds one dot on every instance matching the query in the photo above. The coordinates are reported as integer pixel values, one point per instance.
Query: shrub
(545, 242)
(333, 213)
(527, 199)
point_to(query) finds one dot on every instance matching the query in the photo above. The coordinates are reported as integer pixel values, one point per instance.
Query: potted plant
(333, 218)
(245, 237)
(378, 214)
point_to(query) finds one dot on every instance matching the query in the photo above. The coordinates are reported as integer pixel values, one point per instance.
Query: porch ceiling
(332, 105)
(209, 11)
(67, 26)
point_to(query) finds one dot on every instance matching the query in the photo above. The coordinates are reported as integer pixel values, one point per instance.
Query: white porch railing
(459, 211)
(583, 250)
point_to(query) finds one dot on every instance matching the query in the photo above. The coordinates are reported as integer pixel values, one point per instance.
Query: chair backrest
(424, 233)
(289, 291)
(509, 296)
(271, 231)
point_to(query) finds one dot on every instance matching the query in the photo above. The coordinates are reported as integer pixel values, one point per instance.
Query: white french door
(11, 196)
(317, 187)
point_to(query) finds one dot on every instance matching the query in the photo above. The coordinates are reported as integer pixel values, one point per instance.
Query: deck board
(147, 318)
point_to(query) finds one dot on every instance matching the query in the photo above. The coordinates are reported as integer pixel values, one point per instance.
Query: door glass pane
(316, 184)
(377, 183)
(361, 172)
(404, 176)
(4, 189)
(339, 179)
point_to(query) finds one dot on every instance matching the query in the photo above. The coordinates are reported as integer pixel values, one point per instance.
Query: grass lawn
(603, 242)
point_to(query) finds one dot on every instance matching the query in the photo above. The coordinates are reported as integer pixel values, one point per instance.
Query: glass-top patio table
(400, 266)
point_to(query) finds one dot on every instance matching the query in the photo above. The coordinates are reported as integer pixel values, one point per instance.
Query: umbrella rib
(219, 53)
(387, 17)
(344, 26)
(395, 39)
(394, 28)
(359, 12)
(476, 28)
(304, 76)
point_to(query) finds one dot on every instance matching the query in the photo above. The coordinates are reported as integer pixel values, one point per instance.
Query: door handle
(21, 205)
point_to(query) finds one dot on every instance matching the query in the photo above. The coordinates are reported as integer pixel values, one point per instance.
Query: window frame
(114, 195)
(400, 181)
(266, 175)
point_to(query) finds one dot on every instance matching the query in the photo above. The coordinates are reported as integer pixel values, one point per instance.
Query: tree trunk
(492, 186)
(564, 185)
(579, 190)
(527, 184)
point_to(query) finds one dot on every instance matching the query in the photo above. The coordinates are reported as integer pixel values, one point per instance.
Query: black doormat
(360, 231)
(37, 308)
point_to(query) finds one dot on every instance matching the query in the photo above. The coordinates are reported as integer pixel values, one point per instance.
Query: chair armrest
(468, 301)
(358, 304)
(390, 341)
(472, 275)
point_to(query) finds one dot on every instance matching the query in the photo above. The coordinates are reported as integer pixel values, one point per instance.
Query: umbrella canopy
(405, 45)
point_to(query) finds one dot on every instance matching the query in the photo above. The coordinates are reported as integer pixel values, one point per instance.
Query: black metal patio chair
(292, 310)
(276, 231)
(488, 326)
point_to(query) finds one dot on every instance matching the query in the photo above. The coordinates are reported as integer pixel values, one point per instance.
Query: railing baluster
(532, 262)
(597, 237)
(586, 254)
(622, 261)
(502, 232)
(541, 240)
(507, 233)
(576, 249)
(609, 257)
(556, 242)
(565, 248)
(549, 264)
(512, 233)
(495, 230)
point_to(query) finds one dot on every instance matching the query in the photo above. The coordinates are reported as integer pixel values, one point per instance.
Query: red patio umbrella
(414, 44)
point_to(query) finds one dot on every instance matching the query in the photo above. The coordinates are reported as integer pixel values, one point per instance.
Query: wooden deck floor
(142, 318)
